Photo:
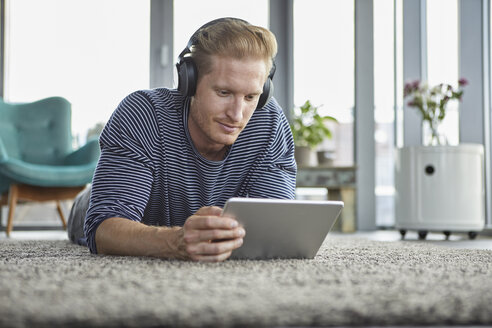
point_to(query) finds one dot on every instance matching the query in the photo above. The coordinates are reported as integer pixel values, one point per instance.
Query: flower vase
(432, 134)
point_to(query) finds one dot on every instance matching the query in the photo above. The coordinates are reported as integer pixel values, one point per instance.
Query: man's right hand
(208, 236)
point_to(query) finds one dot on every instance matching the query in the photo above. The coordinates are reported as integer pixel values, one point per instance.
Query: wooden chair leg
(13, 196)
(3, 202)
(62, 217)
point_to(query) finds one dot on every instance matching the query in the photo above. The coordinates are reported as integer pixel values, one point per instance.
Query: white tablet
(282, 228)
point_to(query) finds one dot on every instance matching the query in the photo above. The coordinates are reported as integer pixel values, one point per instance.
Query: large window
(324, 67)
(91, 52)
(442, 56)
(387, 83)
(187, 21)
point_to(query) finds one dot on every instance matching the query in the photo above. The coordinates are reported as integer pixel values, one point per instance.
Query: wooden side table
(340, 182)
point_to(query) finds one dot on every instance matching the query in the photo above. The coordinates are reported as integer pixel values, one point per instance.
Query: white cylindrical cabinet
(440, 188)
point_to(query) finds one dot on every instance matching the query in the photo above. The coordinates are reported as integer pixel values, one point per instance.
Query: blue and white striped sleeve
(124, 175)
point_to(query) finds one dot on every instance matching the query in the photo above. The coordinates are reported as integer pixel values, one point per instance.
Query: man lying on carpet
(170, 159)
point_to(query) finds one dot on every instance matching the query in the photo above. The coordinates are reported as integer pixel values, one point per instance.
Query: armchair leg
(13, 196)
(3, 198)
(38, 194)
(3, 202)
(62, 217)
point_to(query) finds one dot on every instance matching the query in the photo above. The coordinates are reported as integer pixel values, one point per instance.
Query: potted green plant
(309, 130)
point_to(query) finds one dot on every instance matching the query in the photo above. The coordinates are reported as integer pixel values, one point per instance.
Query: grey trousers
(75, 224)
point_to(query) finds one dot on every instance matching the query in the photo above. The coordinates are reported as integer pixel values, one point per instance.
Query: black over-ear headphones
(188, 73)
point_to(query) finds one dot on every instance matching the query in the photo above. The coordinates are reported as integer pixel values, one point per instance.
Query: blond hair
(232, 38)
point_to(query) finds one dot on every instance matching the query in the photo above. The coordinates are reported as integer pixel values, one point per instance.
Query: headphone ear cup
(267, 93)
(187, 77)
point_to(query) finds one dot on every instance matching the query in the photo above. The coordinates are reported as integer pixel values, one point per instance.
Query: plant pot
(304, 156)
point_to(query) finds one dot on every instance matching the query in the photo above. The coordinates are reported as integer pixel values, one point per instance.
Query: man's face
(224, 102)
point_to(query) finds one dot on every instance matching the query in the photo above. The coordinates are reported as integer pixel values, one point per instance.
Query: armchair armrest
(3, 152)
(86, 154)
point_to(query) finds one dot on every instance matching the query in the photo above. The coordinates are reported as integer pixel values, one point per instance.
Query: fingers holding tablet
(208, 236)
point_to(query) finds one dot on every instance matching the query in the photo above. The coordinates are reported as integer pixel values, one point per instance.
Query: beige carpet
(351, 282)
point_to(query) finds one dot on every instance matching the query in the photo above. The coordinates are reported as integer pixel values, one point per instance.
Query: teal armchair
(37, 162)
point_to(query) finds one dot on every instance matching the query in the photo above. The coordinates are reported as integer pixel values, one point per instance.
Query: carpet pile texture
(351, 282)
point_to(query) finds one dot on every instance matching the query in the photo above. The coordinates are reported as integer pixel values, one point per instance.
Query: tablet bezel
(276, 228)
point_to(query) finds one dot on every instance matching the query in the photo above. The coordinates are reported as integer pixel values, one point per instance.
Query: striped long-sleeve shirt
(150, 171)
